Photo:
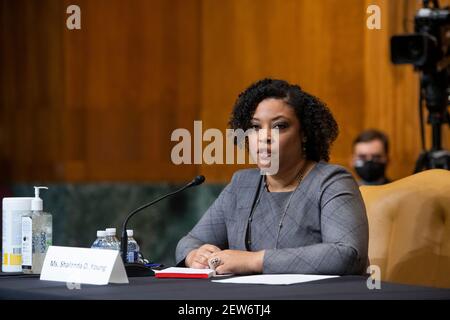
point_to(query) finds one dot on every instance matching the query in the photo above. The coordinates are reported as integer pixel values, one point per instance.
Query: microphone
(137, 269)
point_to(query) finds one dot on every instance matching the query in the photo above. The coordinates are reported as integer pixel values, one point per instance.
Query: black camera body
(428, 48)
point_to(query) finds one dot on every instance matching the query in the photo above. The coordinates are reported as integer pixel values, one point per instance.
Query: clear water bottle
(112, 242)
(132, 248)
(100, 242)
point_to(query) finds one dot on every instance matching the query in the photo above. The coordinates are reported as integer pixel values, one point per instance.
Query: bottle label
(132, 257)
(27, 242)
(41, 242)
(12, 240)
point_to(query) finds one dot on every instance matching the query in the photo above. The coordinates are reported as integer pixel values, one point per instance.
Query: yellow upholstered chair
(409, 228)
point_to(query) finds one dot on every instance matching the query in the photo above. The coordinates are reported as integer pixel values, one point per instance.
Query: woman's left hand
(238, 262)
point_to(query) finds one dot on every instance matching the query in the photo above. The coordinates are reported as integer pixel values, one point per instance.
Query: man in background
(370, 157)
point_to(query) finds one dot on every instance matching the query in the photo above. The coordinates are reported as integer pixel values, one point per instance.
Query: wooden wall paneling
(99, 104)
(136, 78)
(31, 87)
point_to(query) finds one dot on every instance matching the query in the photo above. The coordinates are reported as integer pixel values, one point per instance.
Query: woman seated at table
(308, 217)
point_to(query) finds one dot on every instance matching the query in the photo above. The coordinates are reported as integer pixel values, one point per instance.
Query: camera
(428, 48)
(428, 51)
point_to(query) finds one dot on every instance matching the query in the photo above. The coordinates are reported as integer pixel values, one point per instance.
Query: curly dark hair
(317, 123)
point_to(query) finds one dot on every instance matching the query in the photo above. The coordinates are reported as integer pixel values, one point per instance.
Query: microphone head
(198, 180)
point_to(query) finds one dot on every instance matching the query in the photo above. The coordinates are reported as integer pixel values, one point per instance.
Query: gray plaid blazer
(325, 229)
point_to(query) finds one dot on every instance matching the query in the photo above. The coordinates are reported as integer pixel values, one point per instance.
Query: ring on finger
(214, 262)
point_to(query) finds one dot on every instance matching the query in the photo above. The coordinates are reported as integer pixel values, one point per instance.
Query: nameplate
(82, 265)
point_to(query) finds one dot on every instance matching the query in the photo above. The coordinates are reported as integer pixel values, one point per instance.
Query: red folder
(187, 273)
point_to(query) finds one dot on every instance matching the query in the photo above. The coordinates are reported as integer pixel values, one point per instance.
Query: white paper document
(275, 279)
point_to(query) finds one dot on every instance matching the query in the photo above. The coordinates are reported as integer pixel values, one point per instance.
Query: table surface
(347, 287)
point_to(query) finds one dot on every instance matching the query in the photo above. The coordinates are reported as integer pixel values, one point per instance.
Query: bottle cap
(101, 233)
(37, 203)
(129, 233)
(111, 231)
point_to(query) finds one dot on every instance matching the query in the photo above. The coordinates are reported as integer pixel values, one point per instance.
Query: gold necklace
(298, 177)
(280, 225)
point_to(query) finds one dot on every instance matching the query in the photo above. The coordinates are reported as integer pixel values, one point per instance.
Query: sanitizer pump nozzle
(37, 203)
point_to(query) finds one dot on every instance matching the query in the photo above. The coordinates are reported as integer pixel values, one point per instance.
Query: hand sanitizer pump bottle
(36, 235)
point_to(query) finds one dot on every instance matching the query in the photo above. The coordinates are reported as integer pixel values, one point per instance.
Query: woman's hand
(238, 262)
(198, 258)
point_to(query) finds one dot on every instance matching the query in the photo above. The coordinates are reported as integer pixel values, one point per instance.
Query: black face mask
(370, 171)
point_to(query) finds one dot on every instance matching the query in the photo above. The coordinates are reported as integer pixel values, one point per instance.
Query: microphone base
(138, 270)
